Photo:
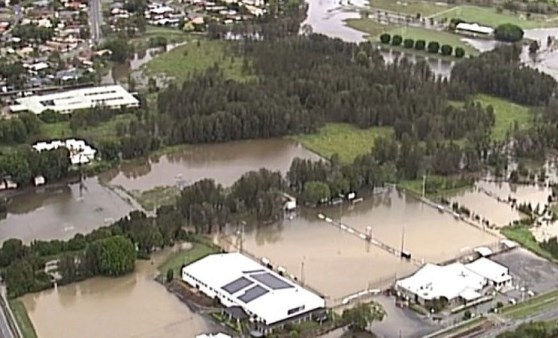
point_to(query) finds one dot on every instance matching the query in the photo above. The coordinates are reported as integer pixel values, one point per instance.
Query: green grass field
(105, 130)
(506, 113)
(156, 197)
(22, 318)
(428, 35)
(196, 56)
(175, 261)
(425, 8)
(531, 306)
(490, 17)
(522, 235)
(172, 35)
(342, 139)
(372, 28)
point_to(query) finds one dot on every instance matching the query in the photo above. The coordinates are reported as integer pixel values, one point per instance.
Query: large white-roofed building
(453, 282)
(269, 299)
(66, 102)
(473, 28)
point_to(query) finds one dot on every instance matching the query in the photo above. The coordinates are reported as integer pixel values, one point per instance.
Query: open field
(342, 139)
(522, 235)
(187, 256)
(489, 16)
(532, 305)
(436, 186)
(506, 114)
(195, 56)
(105, 130)
(22, 318)
(425, 8)
(156, 197)
(172, 35)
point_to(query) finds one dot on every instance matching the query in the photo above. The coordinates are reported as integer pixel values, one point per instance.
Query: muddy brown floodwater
(223, 162)
(338, 264)
(61, 211)
(131, 306)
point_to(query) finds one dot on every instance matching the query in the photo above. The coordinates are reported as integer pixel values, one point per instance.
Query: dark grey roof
(237, 285)
(253, 293)
(236, 312)
(271, 281)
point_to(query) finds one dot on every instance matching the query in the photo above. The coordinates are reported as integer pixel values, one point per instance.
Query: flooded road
(130, 306)
(338, 264)
(59, 212)
(224, 163)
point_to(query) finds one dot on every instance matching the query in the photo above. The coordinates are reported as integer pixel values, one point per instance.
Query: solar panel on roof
(271, 281)
(237, 285)
(253, 271)
(253, 293)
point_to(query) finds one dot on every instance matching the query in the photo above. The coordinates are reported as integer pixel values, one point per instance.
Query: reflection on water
(223, 162)
(322, 251)
(131, 306)
(60, 212)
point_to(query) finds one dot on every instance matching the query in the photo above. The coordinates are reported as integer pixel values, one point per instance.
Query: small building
(473, 28)
(66, 102)
(80, 152)
(39, 180)
(497, 275)
(236, 281)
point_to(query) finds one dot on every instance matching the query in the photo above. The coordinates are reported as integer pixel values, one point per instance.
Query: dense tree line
(500, 73)
(24, 163)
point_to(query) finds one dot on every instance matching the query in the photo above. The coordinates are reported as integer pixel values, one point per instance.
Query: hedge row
(432, 46)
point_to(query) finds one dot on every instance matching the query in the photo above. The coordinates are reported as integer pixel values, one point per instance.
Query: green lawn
(156, 197)
(490, 17)
(372, 28)
(172, 35)
(22, 318)
(198, 251)
(342, 139)
(197, 55)
(436, 186)
(428, 35)
(506, 113)
(105, 130)
(522, 235)
(425, 8)
(531, 306)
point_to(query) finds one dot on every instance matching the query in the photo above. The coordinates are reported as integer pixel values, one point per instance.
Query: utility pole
(302, 271)
(403, 240)
(423, 185)
(240, 236)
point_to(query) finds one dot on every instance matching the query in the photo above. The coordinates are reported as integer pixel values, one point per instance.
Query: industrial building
(251, 291)
(457, 283)
(66, 102)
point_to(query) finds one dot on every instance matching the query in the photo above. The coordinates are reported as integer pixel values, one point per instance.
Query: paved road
(511, 326)
(5, 331)
(95, 19)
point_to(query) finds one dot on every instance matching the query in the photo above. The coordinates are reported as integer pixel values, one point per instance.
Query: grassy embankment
(343, 139)
(506, 115)
(156, 197)
(532, 306)
(523, 235)
(197, 55)
(22, 318)
(200, 248)
(425, 8)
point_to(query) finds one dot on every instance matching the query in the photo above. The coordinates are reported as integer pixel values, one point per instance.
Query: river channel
(131, 306)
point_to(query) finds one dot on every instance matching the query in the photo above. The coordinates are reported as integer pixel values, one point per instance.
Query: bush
(420, 44)
(385, 38)
(170, 275)
(433, 47)
(459, 52)
(446, 49)
(408, 43)
(397, 40)
(508, 33)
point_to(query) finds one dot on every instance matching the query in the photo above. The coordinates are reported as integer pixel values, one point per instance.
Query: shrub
(459, 52)
(397, 40)
(446, 49)
(508, 33)
(420, 44)
(408, 43)
(385, 38)
(433, 47)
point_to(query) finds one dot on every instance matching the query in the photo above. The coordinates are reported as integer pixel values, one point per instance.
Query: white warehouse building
(267, 298)
(457, 283)
(66, 102)
(80, 152)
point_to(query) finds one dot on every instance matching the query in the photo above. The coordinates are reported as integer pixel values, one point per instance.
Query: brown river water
(131, 306)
